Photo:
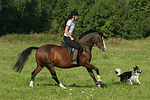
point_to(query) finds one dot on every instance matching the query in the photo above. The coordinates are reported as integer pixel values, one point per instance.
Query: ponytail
(69, 17)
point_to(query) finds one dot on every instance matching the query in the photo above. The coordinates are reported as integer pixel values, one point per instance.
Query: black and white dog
(131, 76)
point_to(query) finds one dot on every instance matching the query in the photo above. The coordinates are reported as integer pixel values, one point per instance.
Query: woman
(68, 35)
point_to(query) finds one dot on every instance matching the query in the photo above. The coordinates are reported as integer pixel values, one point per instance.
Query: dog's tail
(118, 71)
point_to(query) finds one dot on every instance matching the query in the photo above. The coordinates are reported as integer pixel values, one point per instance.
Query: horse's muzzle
(102, 49)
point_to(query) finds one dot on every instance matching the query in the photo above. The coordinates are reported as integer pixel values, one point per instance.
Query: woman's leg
(74, 45)
(71, 43)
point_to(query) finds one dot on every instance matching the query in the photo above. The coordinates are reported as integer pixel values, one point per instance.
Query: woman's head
(74, 14)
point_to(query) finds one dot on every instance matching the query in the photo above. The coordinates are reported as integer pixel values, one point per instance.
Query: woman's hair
(69, 17)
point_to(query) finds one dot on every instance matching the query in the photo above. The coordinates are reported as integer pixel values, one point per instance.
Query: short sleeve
(69, 23)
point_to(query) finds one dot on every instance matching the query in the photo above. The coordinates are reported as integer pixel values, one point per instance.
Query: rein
(87, 44)
(97, 39)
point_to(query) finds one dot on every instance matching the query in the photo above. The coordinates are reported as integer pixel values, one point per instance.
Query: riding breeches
(71, 43)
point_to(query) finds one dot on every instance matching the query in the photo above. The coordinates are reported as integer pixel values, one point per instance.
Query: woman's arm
(66, 31)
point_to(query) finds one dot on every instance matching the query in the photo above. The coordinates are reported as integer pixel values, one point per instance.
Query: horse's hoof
(99, 86)
(62, 86)
(30, 86)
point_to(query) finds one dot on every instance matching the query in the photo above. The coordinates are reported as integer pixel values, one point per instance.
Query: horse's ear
(99, 31)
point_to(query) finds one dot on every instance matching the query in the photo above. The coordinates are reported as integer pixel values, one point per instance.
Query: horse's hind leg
(34, 73)
(51, 68)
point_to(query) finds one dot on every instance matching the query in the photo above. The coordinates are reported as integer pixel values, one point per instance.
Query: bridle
(98, 39)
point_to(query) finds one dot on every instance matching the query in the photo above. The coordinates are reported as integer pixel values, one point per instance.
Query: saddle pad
(71, 49)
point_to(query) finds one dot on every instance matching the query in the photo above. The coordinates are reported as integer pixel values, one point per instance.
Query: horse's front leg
(89, 67)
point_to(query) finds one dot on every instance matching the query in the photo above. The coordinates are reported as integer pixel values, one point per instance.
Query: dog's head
(137, 70)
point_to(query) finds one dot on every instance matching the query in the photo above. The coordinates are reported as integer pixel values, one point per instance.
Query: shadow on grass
(73, 85)
(124, 83)
(117, 83)
(47, 84)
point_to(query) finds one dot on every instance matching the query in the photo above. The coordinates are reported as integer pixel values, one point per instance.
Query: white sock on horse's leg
(98, 78)
(62, 86)
(31, 84)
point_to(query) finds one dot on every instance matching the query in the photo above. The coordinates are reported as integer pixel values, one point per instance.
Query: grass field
(123, 54)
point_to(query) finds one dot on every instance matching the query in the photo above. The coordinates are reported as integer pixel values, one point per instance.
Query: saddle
(71, 49)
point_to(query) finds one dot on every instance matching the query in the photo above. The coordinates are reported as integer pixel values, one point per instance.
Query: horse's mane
(85, 33)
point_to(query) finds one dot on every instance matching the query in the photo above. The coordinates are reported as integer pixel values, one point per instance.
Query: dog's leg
(130, 82)
(137, 81)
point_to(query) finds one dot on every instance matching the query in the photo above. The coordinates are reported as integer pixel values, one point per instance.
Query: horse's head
(99, 41)
(91, 37)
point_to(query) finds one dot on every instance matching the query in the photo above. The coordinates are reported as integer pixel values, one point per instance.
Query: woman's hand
(72, 38)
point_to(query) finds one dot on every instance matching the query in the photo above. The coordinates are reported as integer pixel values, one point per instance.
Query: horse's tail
(18, 66)
(118, 71)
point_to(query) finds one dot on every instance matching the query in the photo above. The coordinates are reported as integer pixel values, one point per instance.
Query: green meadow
(120, 53)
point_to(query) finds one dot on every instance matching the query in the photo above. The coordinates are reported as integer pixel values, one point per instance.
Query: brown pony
(51, 55)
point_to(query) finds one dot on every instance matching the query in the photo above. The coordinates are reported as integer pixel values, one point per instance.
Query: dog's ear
(136, 66)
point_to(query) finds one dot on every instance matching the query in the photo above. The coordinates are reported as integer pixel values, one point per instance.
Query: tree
(129, 19)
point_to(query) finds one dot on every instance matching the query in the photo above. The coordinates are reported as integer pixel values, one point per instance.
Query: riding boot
(74, 58)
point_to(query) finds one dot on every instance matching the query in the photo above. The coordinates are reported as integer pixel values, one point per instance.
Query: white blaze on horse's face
(104, 44)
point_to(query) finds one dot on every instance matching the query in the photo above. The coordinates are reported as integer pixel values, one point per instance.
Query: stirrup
(74, 62)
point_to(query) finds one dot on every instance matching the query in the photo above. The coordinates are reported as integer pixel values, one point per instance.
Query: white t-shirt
(71, 25)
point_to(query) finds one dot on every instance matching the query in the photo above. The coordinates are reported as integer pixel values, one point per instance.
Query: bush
(126, 19)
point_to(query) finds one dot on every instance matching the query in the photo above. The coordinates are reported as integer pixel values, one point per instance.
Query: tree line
(128, 19)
